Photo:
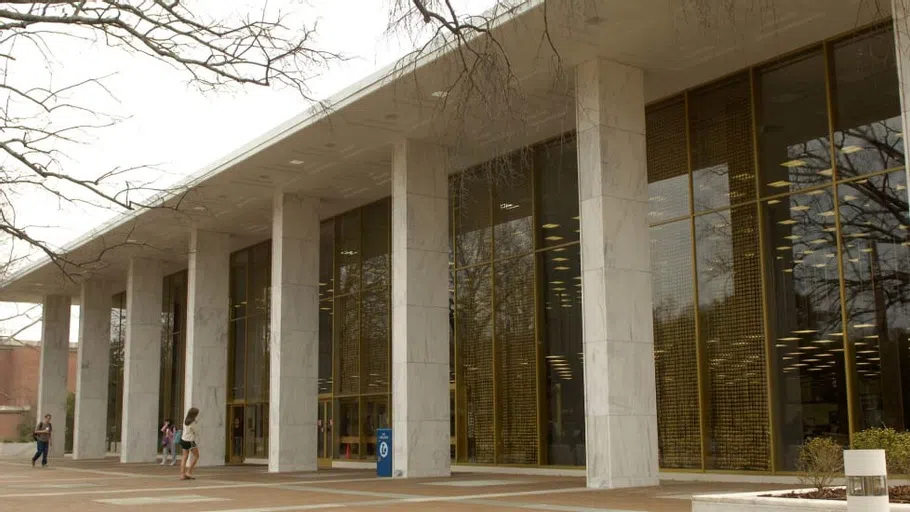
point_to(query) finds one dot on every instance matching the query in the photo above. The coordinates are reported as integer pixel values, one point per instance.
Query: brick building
(19, 366)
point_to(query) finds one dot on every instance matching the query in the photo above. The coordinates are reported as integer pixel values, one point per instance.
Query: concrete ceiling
(342, 153)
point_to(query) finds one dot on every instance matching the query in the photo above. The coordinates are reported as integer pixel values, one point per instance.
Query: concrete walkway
(108, 485)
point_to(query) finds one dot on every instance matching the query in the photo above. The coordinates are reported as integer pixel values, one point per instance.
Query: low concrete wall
(754, 502)
(16, 449)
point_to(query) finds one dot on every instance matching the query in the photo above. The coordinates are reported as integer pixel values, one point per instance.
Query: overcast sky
(172, 125)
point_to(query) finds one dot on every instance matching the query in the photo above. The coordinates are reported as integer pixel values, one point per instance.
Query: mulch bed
(897, 494)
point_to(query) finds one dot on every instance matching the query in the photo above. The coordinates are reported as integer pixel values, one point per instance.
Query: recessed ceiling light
(792, 163)
(440, 94)
(779, 184)
(850, 149)
(554, 238)
(199, 208)
(296, 162)
(550, 226)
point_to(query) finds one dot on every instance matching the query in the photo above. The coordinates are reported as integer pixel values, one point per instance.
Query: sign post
(383, 452)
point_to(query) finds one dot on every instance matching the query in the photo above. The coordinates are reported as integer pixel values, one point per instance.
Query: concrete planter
(754, 502)
(16, 449)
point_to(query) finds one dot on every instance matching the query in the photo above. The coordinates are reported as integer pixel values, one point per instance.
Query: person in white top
(188, 443)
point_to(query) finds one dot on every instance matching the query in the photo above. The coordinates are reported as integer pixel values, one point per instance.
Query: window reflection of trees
(805, 316)
(874, 219)
(115, 369)
(732, 336)
(676, 361)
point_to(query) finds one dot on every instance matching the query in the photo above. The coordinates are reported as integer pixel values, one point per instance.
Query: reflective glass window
(347, 252)
(868, 135)
(804, 312)
(516, 360)
(792, 124)
(563, 356)
(874, 219)
(675, 354)
(720, 131)
(668, 161)
(728, 276)
(473, 230)
(513, 233)
(557, 190)
(474, 331)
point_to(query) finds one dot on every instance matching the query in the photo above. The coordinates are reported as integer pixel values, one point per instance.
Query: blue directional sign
(384, 452)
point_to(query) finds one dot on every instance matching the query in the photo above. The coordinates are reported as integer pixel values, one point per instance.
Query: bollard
(867, 480)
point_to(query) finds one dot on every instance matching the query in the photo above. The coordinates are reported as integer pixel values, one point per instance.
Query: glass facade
(354, 331)
(173, 347)
(115, 370)
(778, 211)
(516, 315)
(248, 352)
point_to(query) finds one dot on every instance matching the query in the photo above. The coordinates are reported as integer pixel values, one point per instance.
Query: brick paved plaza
(108, 485)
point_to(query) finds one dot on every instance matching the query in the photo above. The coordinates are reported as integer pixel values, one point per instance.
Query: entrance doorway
(324, 424)
(247, 432)
(235, 434)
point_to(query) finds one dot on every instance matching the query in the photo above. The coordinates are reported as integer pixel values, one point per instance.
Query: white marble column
(53, 368)
(620, 391)
(901, 15)
(207, 339)
(141, 362)
(294, 344)
(420, 311)
(92, 371)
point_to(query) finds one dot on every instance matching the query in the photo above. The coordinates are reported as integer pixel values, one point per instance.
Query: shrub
(26, 427)
(896, 445)
(821, 460)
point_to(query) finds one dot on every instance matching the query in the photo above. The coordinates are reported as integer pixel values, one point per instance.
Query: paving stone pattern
(108, 485)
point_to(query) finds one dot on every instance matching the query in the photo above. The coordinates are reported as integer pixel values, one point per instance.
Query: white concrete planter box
(16, 449)
(754, 502)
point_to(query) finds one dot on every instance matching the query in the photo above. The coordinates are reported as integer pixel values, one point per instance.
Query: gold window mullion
(762, 255)
(849, 359)
(699, 348)
(497, 417)
(542, 406)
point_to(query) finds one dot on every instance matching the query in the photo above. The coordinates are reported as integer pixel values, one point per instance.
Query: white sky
(179, 129)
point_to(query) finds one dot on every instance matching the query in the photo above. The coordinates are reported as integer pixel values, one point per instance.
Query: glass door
(235, 434)
(324, 426)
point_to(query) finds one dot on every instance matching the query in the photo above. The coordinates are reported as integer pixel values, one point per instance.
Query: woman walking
(188, 443)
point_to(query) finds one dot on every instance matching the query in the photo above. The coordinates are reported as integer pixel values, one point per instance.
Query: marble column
(53, 367)
(89, 439)
(420, 311)
(141, 362)
(620, 390)
(901, 15)
(207, 339)
(294, 343)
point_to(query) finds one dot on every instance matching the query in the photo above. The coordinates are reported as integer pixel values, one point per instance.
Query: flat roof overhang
(345, 149)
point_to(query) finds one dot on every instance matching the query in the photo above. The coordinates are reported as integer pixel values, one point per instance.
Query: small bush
(821, 460)
(896, 445)
(26, 427)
